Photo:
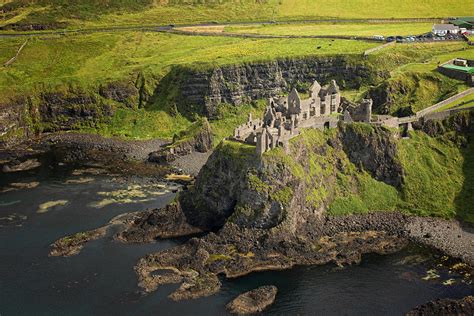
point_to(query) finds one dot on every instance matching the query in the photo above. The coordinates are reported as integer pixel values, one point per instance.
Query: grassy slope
(414, 76)
(126, 12)
(346, 29)
(438, 177)
(87, 61)
(463, 103)
(436, 174)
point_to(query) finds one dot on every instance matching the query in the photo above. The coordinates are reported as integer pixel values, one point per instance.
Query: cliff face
(290, 189)
(355, 168)
(66, 109)
(189, 90)
(237, 84)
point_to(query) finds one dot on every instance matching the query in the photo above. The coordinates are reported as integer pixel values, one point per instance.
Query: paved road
(168, 28)
(433, 108)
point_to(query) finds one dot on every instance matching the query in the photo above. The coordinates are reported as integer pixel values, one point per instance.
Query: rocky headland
(335, 196)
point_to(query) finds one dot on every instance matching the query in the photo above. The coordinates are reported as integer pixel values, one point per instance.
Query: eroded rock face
(168, 222)
(120, 91)
(373, 149)
(460, 123)
(237, 84)
(64, 111)
(253, 301)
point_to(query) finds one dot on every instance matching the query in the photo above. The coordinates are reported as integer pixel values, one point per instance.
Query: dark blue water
(101, 281)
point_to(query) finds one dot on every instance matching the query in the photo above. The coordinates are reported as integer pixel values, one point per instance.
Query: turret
(314, 90)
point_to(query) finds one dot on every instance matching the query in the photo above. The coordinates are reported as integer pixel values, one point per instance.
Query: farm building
(464, 23)
(443, 29)
(461, 69)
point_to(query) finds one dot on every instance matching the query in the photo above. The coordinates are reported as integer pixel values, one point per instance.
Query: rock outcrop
(203, 90)
(464, 306)
(293, 187)
(198, 138)
(185, 90)
(253, 301)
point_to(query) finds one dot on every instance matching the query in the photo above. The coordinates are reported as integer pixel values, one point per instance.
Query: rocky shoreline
(236, 251)
(464, 306)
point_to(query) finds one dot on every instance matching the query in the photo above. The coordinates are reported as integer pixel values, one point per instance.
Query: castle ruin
(285, 116)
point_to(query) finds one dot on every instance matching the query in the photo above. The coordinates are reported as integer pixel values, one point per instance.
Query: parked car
(378, 37)
(399, 39)
(390, 39)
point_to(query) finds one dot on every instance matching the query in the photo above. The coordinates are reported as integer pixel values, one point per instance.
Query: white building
(443, 29)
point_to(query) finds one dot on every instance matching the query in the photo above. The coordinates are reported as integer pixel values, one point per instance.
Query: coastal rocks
(235, 252)
(464, 306)
(254, 301)
(135, 227)
(168, 222)
(113, 154)
(22, 166)
(219, 185)
(72, 245)
(451, 237)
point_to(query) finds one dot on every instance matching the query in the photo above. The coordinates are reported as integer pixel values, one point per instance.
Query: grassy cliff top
(128, 12)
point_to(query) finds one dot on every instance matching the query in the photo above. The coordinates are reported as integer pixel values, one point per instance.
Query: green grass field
(127, 12)
(344, 29)
(86, 61)
(89, 59)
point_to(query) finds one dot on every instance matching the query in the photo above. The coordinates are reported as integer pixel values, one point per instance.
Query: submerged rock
(253, 301)
(45, 207)
(22, 166)
(25, 185)
(72, 245)
(14, 219)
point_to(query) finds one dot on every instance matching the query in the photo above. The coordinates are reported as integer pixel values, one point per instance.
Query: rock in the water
(253, 301)
(464, 306)
(23, 166)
